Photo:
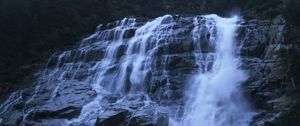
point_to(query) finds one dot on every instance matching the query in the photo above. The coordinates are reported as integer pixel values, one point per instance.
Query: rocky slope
(270, 54)
(64, 87)
(32, 30)
(271, 58)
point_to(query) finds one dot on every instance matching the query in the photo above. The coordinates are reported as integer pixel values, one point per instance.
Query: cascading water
(131, 68)
(215, 98)
(144, 65)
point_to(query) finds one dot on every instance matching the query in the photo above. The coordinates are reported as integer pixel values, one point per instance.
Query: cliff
(34, 30)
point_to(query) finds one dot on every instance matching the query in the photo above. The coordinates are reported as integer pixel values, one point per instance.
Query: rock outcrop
(68, 85)
(267, 55)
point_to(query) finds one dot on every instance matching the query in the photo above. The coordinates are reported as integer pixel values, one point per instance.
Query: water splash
(215, 98)
(127, 57)
(132, 68)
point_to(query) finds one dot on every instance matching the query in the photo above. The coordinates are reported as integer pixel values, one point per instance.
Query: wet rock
(94, 54)
(181, 46)
(146, 119)
(110, 99)
(12, 119)
(129, 33)
(253, 51)
(264, 118)
(121, 51)
(133, 110)
(64, 113)
(112, 118)
(168, 19)
(265, 51)
(181, 62)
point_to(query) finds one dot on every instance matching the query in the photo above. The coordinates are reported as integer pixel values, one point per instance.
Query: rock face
(90, 86)
(133, 110)
(103, 83)
(266, 55)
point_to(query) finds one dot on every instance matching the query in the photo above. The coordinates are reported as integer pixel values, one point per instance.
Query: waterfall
(132, 67)
(186, 62)
(215, 98)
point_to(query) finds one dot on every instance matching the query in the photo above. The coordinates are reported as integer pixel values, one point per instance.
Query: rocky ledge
(62, 92)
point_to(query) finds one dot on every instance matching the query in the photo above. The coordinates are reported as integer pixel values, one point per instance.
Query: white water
(215, 98)
(132, 66)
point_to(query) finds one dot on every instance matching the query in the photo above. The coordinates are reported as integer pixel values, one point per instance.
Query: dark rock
(65, 113)
(181, 46)
(94, 54)
(129, 33)
(145, 118)
(181, 62)
(133, 110)
(19, 106)
(253, 51)
(121, 50)
(12, 119)
(112, 118)
(110, 99)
